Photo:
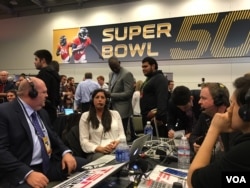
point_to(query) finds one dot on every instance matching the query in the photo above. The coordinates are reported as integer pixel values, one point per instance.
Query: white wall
(20, 37)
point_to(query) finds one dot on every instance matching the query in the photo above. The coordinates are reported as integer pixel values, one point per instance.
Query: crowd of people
(32, 154)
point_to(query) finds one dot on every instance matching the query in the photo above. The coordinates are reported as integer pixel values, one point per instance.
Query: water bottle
(122, 152)
(149, 129)
(184, 153)
(62, 109)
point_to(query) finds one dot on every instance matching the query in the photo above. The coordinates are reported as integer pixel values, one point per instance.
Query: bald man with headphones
(31, 154)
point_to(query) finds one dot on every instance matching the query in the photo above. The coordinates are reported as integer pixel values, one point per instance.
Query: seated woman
(235, 161)
(100, 129)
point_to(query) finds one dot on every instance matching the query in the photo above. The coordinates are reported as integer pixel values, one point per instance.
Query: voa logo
(236, 179)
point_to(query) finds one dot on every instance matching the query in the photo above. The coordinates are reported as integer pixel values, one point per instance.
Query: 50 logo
(204, 40)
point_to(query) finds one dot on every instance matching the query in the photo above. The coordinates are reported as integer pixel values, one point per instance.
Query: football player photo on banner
(72, 45)
(217, 35)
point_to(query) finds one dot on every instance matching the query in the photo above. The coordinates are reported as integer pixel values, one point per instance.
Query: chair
(138, 125)
(70, 135)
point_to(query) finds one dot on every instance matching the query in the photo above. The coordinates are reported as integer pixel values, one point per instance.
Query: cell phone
(176, 172)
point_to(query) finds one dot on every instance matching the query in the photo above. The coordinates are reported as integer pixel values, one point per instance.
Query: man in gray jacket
(121, 87)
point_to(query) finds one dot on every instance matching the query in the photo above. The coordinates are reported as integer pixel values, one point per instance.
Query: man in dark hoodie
(51, 78)
(154, 95)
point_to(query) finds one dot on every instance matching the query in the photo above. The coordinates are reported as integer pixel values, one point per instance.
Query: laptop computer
(137, 146)
(68, 111)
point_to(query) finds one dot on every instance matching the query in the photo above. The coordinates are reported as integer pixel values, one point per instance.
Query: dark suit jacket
(122, 92)
(16, 144)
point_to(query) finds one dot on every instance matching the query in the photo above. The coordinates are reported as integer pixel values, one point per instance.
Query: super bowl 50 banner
(217, 35)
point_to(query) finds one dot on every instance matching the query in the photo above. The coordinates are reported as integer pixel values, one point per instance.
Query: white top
(136, 103)
(105, 87)
(91, 138)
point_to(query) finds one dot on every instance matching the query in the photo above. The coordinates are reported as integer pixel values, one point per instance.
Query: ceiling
(18, 8)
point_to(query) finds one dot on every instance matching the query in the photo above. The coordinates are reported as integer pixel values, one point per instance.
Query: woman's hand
(113, 144)
(105, 150)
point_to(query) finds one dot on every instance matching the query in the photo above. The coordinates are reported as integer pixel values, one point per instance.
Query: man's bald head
(33, 84)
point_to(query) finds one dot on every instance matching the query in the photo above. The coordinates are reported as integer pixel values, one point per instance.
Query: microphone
(207, 108)
(139, 165)
(177, 185)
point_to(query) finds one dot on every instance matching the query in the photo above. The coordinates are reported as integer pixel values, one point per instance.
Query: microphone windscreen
(177, 185)
(141, 164)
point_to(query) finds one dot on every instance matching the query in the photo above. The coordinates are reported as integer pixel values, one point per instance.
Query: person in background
(234, 162)
(183, 111)
(51, 78)
(63, 81)
(55, 66)
(70, 90)
(214, 98)
(136, 98)
(11, 95)
(20, 78)
(170, 88)
(121, 88)
(100, 129)
(154, 95)
(31, 154)
(103, 85)
(5, 85)
(84, 91)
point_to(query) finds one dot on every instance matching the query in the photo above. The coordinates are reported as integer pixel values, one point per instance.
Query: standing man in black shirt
(51, 78)
(154, 95)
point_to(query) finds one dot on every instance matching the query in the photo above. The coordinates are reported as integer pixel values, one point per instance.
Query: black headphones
(220, 99)
(244, 110)
(33, 92)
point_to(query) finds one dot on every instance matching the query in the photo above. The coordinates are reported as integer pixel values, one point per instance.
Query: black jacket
(178, 120)
(16, 143)
(51, 79)
(155, 95)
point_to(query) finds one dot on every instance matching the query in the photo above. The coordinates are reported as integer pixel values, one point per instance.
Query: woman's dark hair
(14, 91)
(106, 116)
(181, 95)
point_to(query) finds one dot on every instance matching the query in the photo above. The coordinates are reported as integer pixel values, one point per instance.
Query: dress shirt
(105, 87)
(113, 79)
(84, 90)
